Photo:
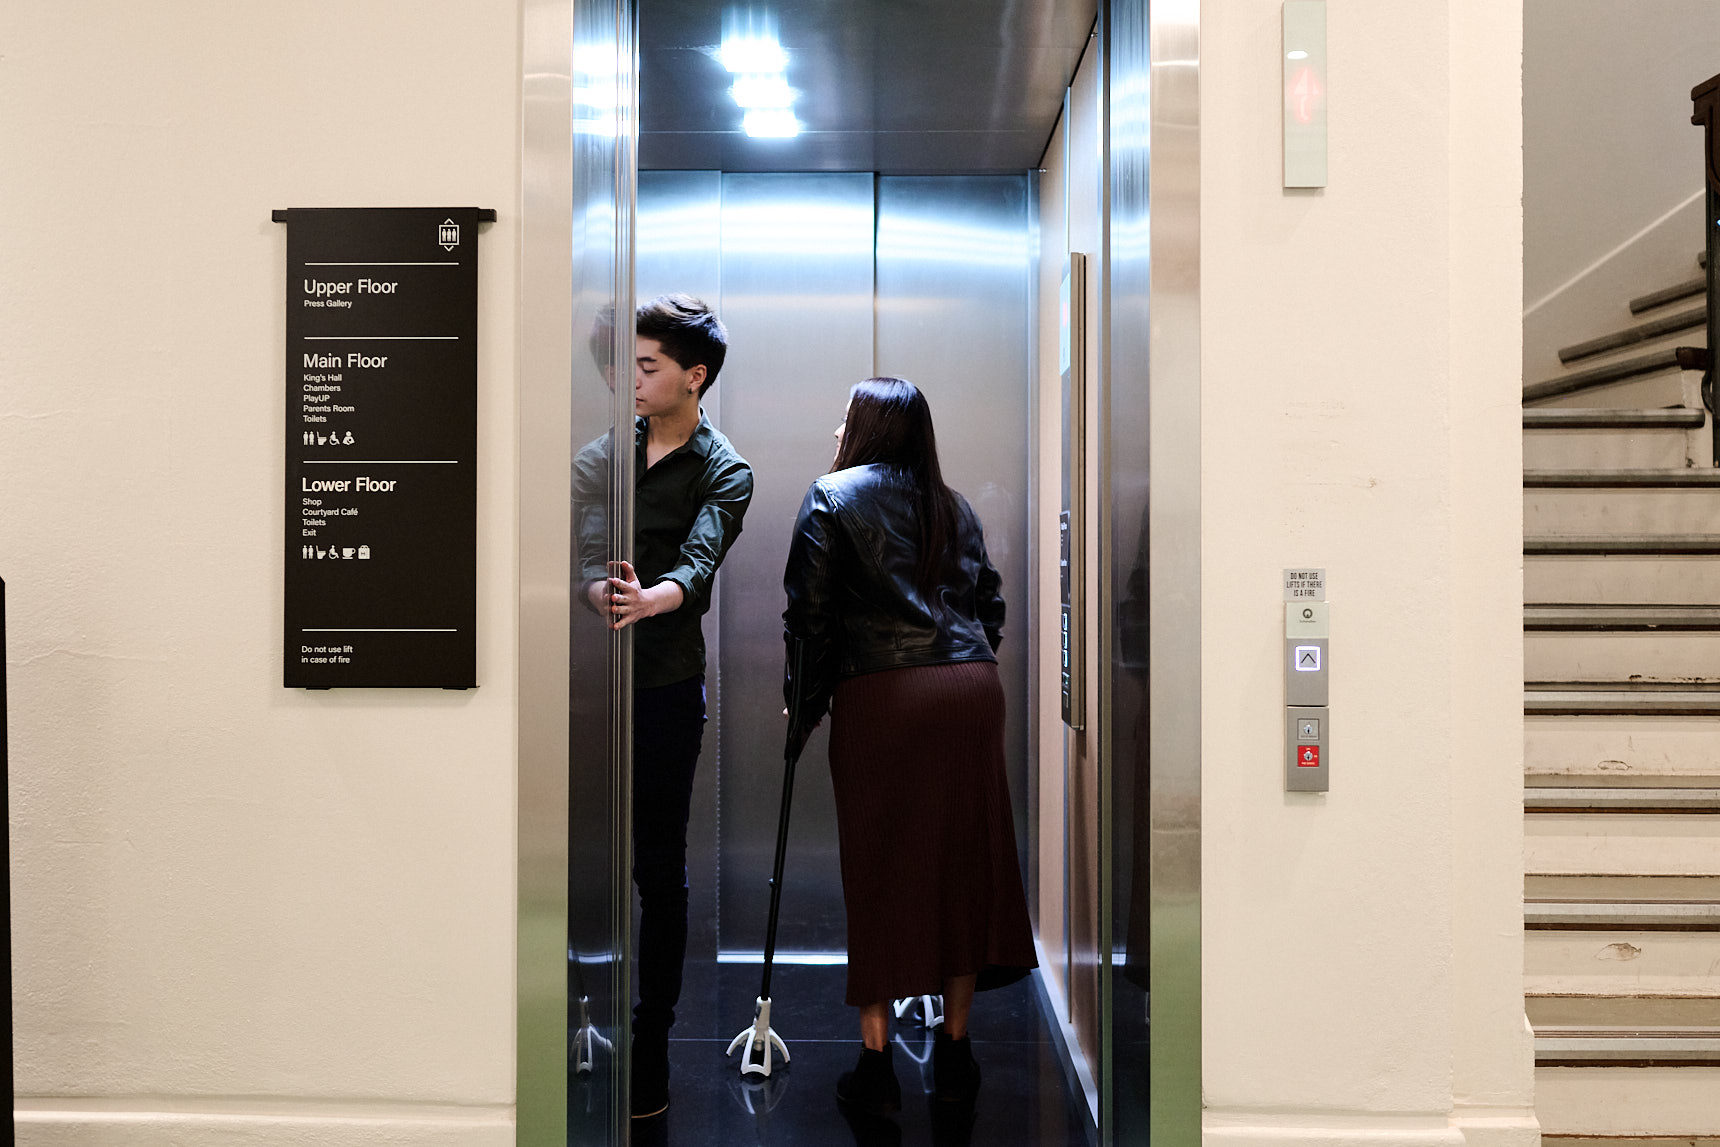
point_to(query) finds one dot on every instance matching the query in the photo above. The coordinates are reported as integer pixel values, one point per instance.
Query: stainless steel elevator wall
(797, 295)
(955, 277)
(822, 280)
(678, 251)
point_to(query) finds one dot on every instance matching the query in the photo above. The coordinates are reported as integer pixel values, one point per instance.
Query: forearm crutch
(758, 1036)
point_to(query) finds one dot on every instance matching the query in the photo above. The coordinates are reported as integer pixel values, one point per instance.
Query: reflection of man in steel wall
(691, 490)
(590, 786)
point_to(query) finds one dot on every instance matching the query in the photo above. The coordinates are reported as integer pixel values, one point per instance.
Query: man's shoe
(955, 1075)
(871, 1088)
(648, 1089)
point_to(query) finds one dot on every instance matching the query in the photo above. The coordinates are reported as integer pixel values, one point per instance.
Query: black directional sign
(381, 448)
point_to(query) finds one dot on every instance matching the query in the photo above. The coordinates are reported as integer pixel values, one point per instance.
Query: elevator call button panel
(1307, 675)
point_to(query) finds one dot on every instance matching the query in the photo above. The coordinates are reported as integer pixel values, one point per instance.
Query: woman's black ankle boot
(871, 1088)
(955, 1075)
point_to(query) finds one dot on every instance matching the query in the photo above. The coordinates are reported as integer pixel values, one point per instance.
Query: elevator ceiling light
(768, 91)
(771, 123)
(752, 54)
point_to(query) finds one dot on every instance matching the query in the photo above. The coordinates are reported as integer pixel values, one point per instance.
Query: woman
(896, 604)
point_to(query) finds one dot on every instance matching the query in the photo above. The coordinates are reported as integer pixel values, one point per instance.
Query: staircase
(1621, 800)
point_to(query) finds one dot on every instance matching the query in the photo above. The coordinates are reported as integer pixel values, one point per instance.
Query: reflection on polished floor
(1023, 1101)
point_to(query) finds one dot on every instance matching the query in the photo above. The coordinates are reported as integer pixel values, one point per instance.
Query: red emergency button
(1308, 756)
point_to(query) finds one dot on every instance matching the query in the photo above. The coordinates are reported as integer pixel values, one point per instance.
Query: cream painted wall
(242, 914)
(1612, 175)
(1493, 1047)
(1362, 948)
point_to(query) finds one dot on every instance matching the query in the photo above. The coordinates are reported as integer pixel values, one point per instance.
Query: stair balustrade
(1705, 98)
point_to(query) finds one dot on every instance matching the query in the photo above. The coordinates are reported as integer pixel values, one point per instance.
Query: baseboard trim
(1498, 1126)
(52, 1121)
(1335, 1129)
(1464, 1127)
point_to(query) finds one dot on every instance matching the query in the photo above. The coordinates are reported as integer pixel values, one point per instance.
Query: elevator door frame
(1156, 50)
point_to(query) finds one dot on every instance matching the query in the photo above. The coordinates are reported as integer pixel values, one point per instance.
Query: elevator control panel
(1307, 677)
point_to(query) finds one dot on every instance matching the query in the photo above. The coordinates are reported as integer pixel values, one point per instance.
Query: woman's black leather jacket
(853, 597)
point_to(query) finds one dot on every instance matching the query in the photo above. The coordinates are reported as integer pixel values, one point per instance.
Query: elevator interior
(949, 157)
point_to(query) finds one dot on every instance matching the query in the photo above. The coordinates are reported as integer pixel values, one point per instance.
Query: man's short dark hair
(688, 331)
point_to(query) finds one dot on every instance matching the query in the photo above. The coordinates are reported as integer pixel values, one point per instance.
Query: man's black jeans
(668, 723)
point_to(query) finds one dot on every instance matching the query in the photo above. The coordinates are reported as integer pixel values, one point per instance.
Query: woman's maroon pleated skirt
(930, 872)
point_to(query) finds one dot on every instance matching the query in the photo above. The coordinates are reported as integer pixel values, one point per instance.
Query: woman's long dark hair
(890, 424)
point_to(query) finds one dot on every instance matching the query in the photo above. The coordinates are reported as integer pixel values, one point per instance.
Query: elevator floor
(1023, 1102)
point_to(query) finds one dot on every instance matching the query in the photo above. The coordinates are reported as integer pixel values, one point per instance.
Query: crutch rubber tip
(758, 1040)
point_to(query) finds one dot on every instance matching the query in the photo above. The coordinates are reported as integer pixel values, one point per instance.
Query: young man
(691, 491)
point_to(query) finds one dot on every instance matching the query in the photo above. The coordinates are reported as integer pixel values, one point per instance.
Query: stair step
(1641, 333)
(1667, 798)
(1679, 1104)
(1622, 579)
(1652, 509)
(1627, 1047)
(1661, 360)
(1686, 345)
(1623, 915)
(1568, 438)
(1695, 338)
(1632, 698)
(1621, 618)
(1642, 392)
(1571, 963)
(1682, 478)
(1625, 843)
(1612, 886)
(1596, 750)
(1641, 656)
(1603, 418)
(1623, 1009)
(1596, 545)
(1571, 511)
(1685, 290)
(1614, 448)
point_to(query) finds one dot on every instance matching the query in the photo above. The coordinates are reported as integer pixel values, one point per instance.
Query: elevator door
(574, 218)
(823, 280)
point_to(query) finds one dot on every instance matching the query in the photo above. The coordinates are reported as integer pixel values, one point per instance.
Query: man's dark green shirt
(687, 512)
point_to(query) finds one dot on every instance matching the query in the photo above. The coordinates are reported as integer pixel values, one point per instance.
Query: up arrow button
(1307, 657)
